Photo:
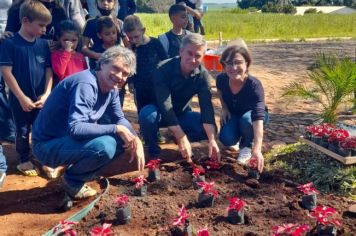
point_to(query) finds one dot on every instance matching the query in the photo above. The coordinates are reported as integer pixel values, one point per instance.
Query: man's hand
(128, 138)
(214, 152)
(27, 104)
(138, 154)
(41, 100)
(7, 34)
(225, 116)
(260, 160)
(185, 148)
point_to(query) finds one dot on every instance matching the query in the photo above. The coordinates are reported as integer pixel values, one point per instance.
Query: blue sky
(219, 1)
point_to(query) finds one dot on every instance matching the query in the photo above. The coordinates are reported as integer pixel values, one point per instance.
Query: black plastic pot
(236, 217)
(201, 178)
(141, 192)
(309, 201)
(345, 152)
(316, 140)
(185, 230)
(324, 143)
(205, 200)
(153, 175)
(253, 173)
(123, 214)
(333, 147)
(326, 230)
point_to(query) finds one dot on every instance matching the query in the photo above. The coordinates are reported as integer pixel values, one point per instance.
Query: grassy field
(263, 26)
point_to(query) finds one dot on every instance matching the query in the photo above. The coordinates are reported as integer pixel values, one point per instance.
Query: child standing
(172, 40)
(149, 52)
(26, 68)
(67, 60)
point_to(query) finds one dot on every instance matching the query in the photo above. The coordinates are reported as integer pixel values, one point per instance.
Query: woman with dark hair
(243, 104)
(57, 11)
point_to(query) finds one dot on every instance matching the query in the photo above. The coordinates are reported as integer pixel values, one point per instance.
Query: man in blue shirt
(66, 131)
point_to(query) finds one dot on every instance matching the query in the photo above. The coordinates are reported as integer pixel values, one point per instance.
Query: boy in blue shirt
(26, 68)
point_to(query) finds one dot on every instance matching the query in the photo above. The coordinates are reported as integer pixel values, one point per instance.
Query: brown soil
(28, 205)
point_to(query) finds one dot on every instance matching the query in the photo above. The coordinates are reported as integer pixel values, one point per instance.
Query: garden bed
(270, 201)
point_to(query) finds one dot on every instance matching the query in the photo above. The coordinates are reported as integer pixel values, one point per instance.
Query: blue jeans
(150, 122)
(3, 166)
(7, 126)
(239, 129)
(84, 158)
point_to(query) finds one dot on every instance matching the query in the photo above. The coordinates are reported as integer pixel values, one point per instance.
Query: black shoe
(2, 178)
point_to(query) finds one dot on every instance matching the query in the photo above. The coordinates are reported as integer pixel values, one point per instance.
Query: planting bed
(270, 201)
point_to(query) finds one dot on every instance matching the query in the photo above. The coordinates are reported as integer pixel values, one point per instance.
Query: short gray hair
(193, 39)
(116, 52)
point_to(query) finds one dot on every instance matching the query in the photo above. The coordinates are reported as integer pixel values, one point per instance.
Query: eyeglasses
(234, 63)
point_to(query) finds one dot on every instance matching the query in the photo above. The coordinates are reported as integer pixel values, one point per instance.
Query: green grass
(262, 26)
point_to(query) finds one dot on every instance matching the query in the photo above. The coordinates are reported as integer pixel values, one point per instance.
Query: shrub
(310, 11)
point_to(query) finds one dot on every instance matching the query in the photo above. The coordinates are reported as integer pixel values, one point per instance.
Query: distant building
(326, 9)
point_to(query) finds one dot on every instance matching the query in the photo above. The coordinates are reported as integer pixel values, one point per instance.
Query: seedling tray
(345, 160)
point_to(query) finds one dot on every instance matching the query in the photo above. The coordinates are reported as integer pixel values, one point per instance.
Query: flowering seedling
(252, 171)
(289, 230)
(65, 228)
(122, 200)
(203, 232)
(182, 217)
(207, 194)
(198, 171)
(139, 181)
(307, 189)
(325, 216)
(101, 231)
(235, 211)
(338, 135)
(349, 146)
(153, 164)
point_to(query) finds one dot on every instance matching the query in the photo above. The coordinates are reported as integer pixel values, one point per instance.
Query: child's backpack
(165, 42)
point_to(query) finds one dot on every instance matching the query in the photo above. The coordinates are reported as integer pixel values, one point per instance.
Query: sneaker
(234, 148)
(244, 155)
(2, 178)
(84, 192)
(161, 139)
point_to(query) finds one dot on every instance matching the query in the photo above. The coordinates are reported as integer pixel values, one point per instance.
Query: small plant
(252, 168)
(338, 135)
(309, 198)
(153, 170)
(348, 146)
(331, 84)
(101, 231)
(198, 176)
(235, 211)
(65, 228)
(140, 187)
(203, 232)
(213, 163)
(181, 224)
(326, 218)
(207, 194)
(289, 229)
(123, 211)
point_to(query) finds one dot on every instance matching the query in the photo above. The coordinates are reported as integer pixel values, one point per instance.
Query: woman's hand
(225, 116)
(260, 160)
(185, 148)
(214, 152)
(138, 154)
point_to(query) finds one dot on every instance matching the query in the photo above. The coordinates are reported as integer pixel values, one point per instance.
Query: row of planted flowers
(335, 139)
(326, 217)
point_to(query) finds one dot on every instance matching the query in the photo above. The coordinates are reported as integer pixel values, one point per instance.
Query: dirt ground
(28, 204)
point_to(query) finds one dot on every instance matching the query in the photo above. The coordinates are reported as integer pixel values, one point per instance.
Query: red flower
(197, 171)
(122, 200)
(316, 130)
(153, 164)
(101, 231)
(182, 217)
(349, 143)
(289, 229)
(208, 188)
(213, 165)
(236, 204)
(325, 215)
(253, 163)
(65, 227)
(203, 232)
(140, 181)
(328, 129)
(307, 189)
(338, 135)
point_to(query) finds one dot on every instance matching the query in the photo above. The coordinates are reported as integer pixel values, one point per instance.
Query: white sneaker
(244, 155)
(235, 147)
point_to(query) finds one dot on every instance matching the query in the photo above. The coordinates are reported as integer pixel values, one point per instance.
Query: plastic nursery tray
(344, 160)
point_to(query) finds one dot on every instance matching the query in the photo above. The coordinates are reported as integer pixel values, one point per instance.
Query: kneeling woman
(243, 104)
